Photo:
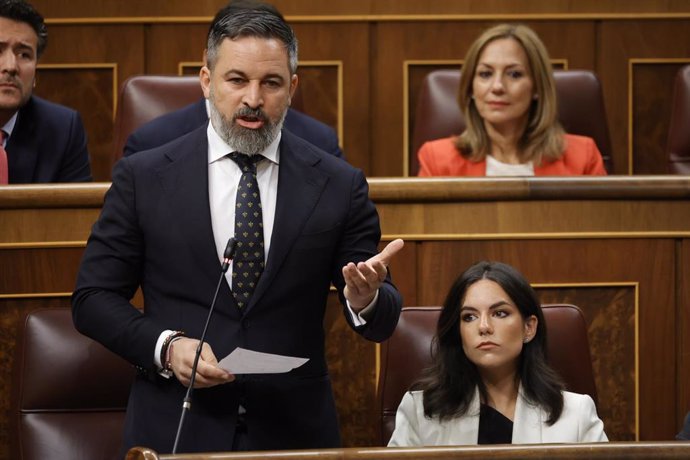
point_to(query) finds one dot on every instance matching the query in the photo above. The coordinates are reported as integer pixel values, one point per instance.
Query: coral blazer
(581, 157)
(578, 423)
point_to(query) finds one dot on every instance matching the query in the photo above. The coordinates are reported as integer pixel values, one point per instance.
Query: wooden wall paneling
(683, 332)
(438, 43)
(321, 92)
(352, 367)
(651, 99)
(517, 220)
(611, 312)
(346, 44)
(520, 8)
(167, 45)
(404, 271)
(621, 43)
(115, 9)
(162, 9)
(171, 8)
(94, 97)
(93, 59)
(563, 261)
(38, 270)
(22, 228)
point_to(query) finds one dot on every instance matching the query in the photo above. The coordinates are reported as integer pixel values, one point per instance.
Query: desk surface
(599, 451)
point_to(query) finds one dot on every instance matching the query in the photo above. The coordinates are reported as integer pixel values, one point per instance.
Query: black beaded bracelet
(166, 344)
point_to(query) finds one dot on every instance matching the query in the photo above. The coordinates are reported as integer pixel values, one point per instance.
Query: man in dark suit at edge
(172, 125)
(39, 141)
(164, 226)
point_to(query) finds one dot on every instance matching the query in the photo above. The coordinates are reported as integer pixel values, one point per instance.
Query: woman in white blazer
(489, 382)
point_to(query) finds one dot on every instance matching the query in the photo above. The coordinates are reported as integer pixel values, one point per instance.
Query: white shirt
(497, 168)
(9, 127)
(224, 176)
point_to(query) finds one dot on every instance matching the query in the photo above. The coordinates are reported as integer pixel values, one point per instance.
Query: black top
(494, 427)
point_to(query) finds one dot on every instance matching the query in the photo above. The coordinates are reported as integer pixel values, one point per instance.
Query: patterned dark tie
(249, 230)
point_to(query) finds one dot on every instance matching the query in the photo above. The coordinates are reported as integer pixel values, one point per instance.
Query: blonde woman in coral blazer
(508, 98)
(578, 423)
(581, 157)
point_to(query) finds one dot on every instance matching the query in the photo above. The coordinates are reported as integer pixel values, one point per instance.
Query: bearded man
(303, 221)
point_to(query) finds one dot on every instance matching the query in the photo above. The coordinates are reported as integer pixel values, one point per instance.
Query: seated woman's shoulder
(444, 144)
(578, 139)
(578, 403)
(439, 157)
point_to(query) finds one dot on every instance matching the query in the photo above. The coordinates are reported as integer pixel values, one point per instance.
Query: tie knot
(247, 163)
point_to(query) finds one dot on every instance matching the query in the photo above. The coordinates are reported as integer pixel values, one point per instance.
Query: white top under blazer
(578, 423)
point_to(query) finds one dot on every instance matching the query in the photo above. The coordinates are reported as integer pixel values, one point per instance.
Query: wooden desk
(600, 451)
(618, 247)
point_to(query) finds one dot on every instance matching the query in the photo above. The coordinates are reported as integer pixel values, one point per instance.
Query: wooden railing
(599, 451)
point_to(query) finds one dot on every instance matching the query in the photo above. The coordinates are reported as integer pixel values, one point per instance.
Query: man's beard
(14, 104)
(245, 140)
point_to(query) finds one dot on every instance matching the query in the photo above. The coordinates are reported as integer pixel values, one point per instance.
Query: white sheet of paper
(243, 361)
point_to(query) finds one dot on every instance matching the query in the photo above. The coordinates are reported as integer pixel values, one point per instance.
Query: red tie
(4, 174)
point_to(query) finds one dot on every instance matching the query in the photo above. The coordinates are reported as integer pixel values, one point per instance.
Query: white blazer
(578, 423)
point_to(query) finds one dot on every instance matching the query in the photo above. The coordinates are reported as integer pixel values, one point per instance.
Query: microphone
(228, 254)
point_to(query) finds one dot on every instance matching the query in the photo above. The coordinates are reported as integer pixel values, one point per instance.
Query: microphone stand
(228, 255)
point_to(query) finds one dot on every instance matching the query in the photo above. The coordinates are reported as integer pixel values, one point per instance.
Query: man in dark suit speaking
(39, 141)
(179, 122)
(303, 220)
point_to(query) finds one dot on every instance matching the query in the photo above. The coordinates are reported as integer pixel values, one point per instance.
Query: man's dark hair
(21, 11)
(247, 18)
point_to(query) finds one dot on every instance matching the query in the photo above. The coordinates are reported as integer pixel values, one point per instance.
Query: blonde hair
(543, 136)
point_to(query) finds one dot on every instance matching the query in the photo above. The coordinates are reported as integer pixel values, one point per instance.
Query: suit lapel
(185, 184)
(22, 146)
(467, 429)
(528, 422)
(300, 185)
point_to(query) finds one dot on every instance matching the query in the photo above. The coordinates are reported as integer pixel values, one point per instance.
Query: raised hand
(362, 280)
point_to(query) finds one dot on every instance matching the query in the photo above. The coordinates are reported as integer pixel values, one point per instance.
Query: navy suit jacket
(172, 125)
(155, 232)
(48, 144)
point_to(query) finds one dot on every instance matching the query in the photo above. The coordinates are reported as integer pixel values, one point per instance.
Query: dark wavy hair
(248, 18)
(450, 382)
(21, 11)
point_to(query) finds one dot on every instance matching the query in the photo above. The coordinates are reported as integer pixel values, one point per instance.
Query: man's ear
(205, 80)
(293, 85)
